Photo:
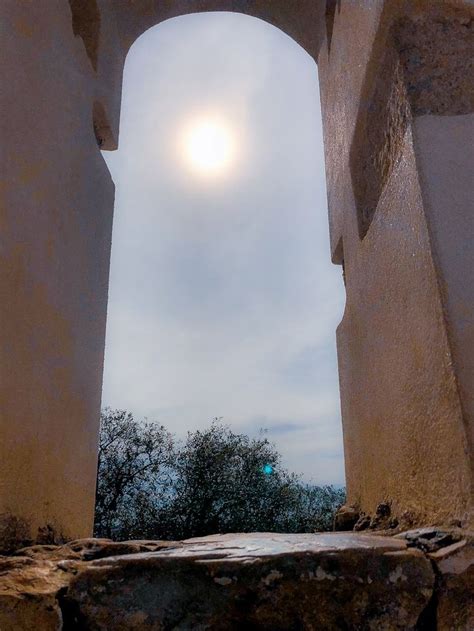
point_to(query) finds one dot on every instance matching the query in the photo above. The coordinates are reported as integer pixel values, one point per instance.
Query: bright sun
(209, 146)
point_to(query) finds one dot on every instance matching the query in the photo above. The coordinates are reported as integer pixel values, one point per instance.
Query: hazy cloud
(223, 301)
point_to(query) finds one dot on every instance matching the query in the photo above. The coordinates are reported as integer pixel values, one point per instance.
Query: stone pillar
(397, 108)
(55, 233)
(62, 64)
(62, 68)
(444, 147)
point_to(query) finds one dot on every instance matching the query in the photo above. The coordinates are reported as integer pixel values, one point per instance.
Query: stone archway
(396, 158)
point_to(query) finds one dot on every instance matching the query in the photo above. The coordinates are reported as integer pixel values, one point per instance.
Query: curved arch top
(304, 25)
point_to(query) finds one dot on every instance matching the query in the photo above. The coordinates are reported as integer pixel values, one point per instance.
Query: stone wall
(397, 98)
(397, 115)
(56, 221)
(421, 580)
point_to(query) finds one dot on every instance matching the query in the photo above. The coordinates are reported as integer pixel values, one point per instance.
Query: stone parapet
(243, 581)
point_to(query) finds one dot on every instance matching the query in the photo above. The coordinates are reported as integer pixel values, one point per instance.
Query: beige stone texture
(28, 594)
(396, 90)
(445, 159)
(400, 179)
(55, 218)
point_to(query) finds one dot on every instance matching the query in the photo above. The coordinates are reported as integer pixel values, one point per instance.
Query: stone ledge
(254, 581)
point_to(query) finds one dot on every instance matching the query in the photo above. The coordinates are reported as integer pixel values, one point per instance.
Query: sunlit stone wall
(397, 114)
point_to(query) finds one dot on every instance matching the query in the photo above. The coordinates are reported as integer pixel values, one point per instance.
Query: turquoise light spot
(267, 469)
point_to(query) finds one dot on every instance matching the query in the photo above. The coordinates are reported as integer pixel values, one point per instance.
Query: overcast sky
(223, 301)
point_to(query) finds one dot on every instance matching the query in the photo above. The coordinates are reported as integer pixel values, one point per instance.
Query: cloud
(223, 301)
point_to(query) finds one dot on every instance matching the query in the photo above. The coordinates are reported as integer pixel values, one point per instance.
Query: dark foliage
(135, 466)
(151, 486)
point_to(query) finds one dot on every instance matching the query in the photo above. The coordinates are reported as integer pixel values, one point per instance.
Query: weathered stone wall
(420, 580)
(55, 231)
(397, 115)
(396, 94)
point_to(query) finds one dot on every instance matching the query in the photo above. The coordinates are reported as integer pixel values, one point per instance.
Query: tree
(216, 481)
(221, 484)
(314, 507)
(134, 469)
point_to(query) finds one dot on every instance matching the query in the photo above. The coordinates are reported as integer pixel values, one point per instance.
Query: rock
(430, 539)
(381, 520)
(13, 532)
(346, 518)
(362, 523)
(421, 579)
(255, 581)
(28, 590)
(452, 553)
(90, 549)
(455, 585)
(32, 582)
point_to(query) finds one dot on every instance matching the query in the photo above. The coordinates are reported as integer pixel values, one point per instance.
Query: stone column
(397, 103)
(62, 66)
(55, 233)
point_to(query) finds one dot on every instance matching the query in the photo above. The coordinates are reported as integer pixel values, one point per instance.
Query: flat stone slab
(256, 581)
(263, 545)
(267, 581)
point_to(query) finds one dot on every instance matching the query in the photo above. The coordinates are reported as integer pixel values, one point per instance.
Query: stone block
(229, 582)
(454, 566)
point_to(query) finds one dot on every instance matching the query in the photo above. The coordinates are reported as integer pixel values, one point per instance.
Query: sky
(223, 301)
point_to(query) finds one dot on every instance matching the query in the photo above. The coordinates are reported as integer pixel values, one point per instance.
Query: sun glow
(208, 146)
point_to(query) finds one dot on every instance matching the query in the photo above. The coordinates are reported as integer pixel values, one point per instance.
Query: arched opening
(404, 342)
(223, 300)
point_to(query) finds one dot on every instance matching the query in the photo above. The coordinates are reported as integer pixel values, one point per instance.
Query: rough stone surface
(403, 177)
(230, 582)
(452, 554)
(346, 517)
(28, 594)
(420, 579)
(454, 566)
(436, 51)
(91, 549)
(431, 539)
